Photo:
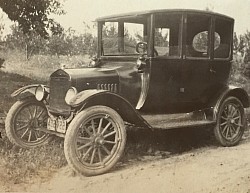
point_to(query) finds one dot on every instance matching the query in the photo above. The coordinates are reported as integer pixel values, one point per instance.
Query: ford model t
(155, 69)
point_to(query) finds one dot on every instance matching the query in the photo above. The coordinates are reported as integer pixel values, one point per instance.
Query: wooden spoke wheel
(95, 140)
(231, 122)
(26, 122)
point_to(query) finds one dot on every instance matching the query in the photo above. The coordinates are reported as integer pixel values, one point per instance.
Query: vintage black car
(159, 69)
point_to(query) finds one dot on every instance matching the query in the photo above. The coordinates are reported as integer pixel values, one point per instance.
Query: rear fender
(90, 98)
(237, 92)
(27, 91)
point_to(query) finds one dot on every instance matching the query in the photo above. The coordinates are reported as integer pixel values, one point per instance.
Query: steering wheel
(141, 48)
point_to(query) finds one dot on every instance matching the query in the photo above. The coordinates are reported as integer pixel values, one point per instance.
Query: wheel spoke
(234, 111)
(93, 126)
(229, 110)
(233, 129)
(24, 133)
(234, 118)
(106, 150)
(223, 131)
(88, 131)
(238, 124)
(100, 126)
(35, 111)
(109, 142)
(226, 111)
(228, 128)
(223, 123)
(29, 112)
(93, 156)
(225, 118)
(40, 113)
(83, 146)
(87, 152)
(36, 135)
(23, 127)
(100, 155)
(109, 134)
(107, 126)
(30, 135)
(230, 131)
(83, 139)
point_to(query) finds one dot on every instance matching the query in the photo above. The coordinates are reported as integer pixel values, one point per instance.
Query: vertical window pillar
(121, 36)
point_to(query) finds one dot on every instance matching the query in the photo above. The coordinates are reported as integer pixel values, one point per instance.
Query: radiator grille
(109, 87)
(58, 88)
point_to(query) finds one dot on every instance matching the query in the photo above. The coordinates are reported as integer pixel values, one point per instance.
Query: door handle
(212, 70)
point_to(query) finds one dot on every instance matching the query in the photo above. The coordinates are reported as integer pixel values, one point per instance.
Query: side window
(167, 39)
(200, 41)
(197, 40)
(223, 30)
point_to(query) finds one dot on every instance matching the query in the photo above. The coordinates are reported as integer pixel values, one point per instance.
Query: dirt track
(205, 169)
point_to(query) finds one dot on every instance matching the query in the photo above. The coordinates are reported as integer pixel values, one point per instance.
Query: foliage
(60, 42)
(161, 38)
(32, 16)
(240, 42)
(32, 43)
(2, 25)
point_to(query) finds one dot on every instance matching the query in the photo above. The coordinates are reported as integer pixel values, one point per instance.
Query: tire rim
(28, 122)
(98, 141)
(231, 121)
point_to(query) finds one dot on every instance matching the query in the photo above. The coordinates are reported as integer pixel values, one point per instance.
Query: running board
(172, 121)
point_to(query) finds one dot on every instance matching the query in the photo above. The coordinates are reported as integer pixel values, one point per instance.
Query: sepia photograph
(123, 96)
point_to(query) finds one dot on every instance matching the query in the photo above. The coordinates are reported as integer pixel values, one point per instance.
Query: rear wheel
(231, 122)
(24, 122)
(95, 140)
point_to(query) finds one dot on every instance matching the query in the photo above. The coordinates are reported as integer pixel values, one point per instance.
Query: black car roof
(141, 13)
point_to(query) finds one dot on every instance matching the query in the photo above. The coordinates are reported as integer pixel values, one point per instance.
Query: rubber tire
(69, 149)
(219, 137)
(10, 119)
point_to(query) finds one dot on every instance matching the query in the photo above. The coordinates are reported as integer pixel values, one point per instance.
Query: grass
(25, 166)
(18, 165)
(39, 67)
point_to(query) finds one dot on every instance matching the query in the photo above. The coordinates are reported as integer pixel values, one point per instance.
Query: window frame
(210, 37)
(180, 37)
(230, 51)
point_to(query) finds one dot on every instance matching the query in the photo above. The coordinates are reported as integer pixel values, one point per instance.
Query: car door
(165, 66)
(197, 65)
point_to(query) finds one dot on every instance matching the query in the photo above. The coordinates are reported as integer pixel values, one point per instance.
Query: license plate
(58, 125)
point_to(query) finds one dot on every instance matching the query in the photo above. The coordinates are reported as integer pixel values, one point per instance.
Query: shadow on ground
(160, 144)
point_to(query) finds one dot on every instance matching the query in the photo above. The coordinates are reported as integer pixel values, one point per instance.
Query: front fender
(94, 97)
(27, 91)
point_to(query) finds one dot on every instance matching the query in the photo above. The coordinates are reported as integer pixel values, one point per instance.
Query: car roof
(142, 13)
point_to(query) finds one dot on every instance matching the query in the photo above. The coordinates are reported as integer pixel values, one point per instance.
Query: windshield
(120, 38)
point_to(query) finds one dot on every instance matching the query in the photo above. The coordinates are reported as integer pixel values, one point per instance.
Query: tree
(32, 15)
(32, 43)
(1, 27)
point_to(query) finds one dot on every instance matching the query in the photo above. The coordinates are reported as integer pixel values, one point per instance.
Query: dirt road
(206, 169)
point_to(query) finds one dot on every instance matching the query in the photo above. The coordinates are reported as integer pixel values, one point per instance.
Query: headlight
(40, 93)
(71, 93)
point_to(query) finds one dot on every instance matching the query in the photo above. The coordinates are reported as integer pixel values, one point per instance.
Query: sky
(80, 11)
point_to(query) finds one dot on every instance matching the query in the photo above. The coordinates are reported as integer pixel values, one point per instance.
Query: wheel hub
(230, 121)
(33, 123)
(98, 140)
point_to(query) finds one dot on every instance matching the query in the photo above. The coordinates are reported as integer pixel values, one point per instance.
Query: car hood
(89, 78)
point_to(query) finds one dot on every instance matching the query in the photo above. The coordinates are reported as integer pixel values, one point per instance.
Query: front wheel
(95, 140)
(25, 123)
(231, 122)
